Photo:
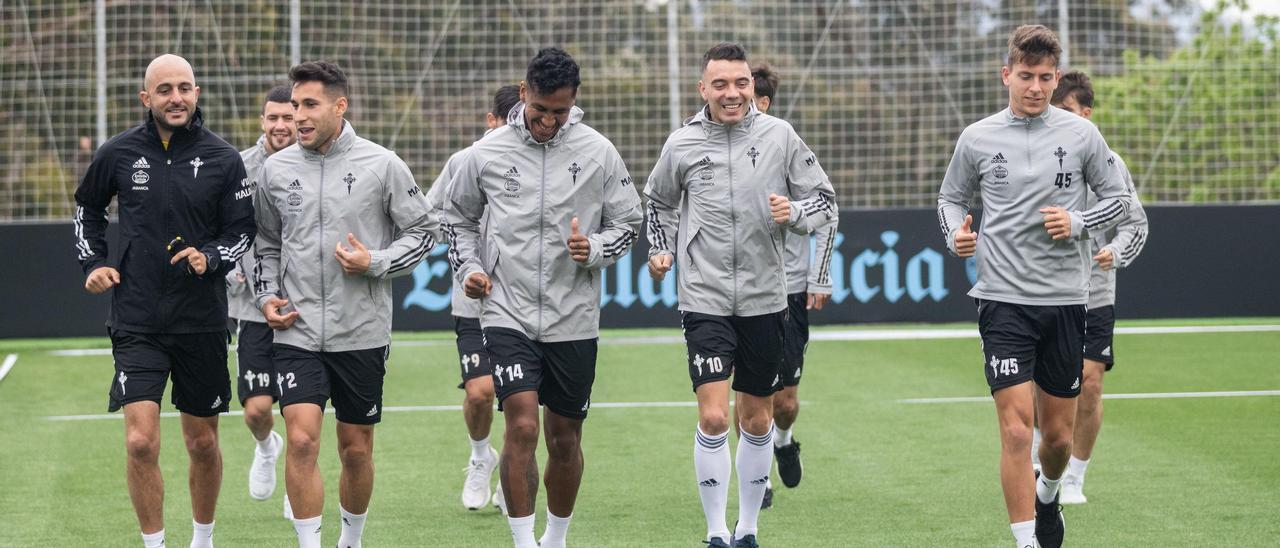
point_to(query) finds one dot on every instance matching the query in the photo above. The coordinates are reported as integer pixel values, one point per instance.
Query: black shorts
(562, 372)
(795, 339)
(198, 362)
(353, 379)
(753, 345)
(471, 355)
(255, 372)
(1025, 342)
(1099, 330)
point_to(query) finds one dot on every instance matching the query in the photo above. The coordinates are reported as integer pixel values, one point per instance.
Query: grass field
(878, 471)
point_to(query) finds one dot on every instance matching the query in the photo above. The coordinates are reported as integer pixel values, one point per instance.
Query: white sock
(1077, 467)
(557, 529)
(522, 531)
(781, 438)
(201, 535)
(266, 446)
(352, 528)
(1024, 533)
(1046, 488)
(153, 540)
(308, 532)
(755, 460)
(713, 466)
(480, 449)
(1035, 447)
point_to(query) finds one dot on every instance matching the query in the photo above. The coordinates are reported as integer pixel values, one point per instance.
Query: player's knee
(303, 446)
(202, 446)
(479, 398)
(355, 454)
(1015, 436)
(1092, 386)
(257, 417)
(564, 445)
(1056, 442)
(756, 425)
(786, 409)
(142, 447)
(522, 431)
(713, 422)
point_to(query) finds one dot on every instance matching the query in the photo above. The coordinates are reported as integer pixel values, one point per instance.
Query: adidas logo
(216, 402)
(999, 159)
(1106, 351)
(141, 164)
(797, 375)
(760, 481)
(512, 173)
(373, 411)
(346, 521)
(586, 405)
(1076, 384)
(709, 483)
(705, 161)
(295, 185)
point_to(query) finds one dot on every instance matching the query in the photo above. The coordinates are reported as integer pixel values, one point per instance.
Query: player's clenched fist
(966, 240)
(780, 209)
(477, 285)
(1057, 221)
(102, 279)
(659, 265)
(579, 245)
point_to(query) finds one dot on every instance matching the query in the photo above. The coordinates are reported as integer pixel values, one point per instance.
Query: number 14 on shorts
(512, 372)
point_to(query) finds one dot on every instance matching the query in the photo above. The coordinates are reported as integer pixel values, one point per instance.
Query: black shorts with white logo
(795, 338)
(1026, 342)
(471, 354)
(352, 379)
(1099, 331)
(197, 361)
(255, 371)
(561, 372)
(750, 348)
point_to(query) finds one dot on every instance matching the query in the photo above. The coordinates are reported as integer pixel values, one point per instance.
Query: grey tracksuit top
(709, 206)
(307, 202)
(530, 192)
(1125, 241)
(461, 305)
(1022, 165)
(242, 303)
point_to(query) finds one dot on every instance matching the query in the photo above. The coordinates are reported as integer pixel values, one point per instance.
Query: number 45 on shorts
(1007, 366)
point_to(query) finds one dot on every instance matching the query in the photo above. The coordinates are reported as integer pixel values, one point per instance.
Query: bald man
(186, 217)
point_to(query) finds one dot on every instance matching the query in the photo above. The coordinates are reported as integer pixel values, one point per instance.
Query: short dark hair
(504, 100)
(334, 80)
(550, 70)
(1077, 84)
(766, 80)
(724, 51)
(1032, 44)
(279, 94)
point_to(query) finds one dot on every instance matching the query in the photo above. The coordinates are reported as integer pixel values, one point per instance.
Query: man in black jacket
(186, 216)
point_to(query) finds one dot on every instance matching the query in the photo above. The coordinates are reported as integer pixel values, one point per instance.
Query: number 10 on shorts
(714, 364)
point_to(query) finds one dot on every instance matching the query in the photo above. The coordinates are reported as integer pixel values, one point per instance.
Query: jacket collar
(1044, 118)
(703, 118)
(346, 139)
(515, 119)
(193, 128)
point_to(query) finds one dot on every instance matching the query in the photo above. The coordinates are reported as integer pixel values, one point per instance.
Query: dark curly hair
(334, 80)
(724, 51)
(550, 70)
(1074, 83)
(279, 94)
(766, 80)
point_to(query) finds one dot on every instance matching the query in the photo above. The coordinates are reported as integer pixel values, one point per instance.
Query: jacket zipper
(168, 226)
(733, 215)
(542, 217)
(324, 301)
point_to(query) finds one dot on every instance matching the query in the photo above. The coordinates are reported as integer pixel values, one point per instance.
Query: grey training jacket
(306, 203)
(438, 195)
(709, 206)
(531, 191)
(242, 303)
(1022, 165)
(1125, 241)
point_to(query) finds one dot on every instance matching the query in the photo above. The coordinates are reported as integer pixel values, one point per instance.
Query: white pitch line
(391, 409)
(1141, 396)
(8, 364)
(843, 335)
